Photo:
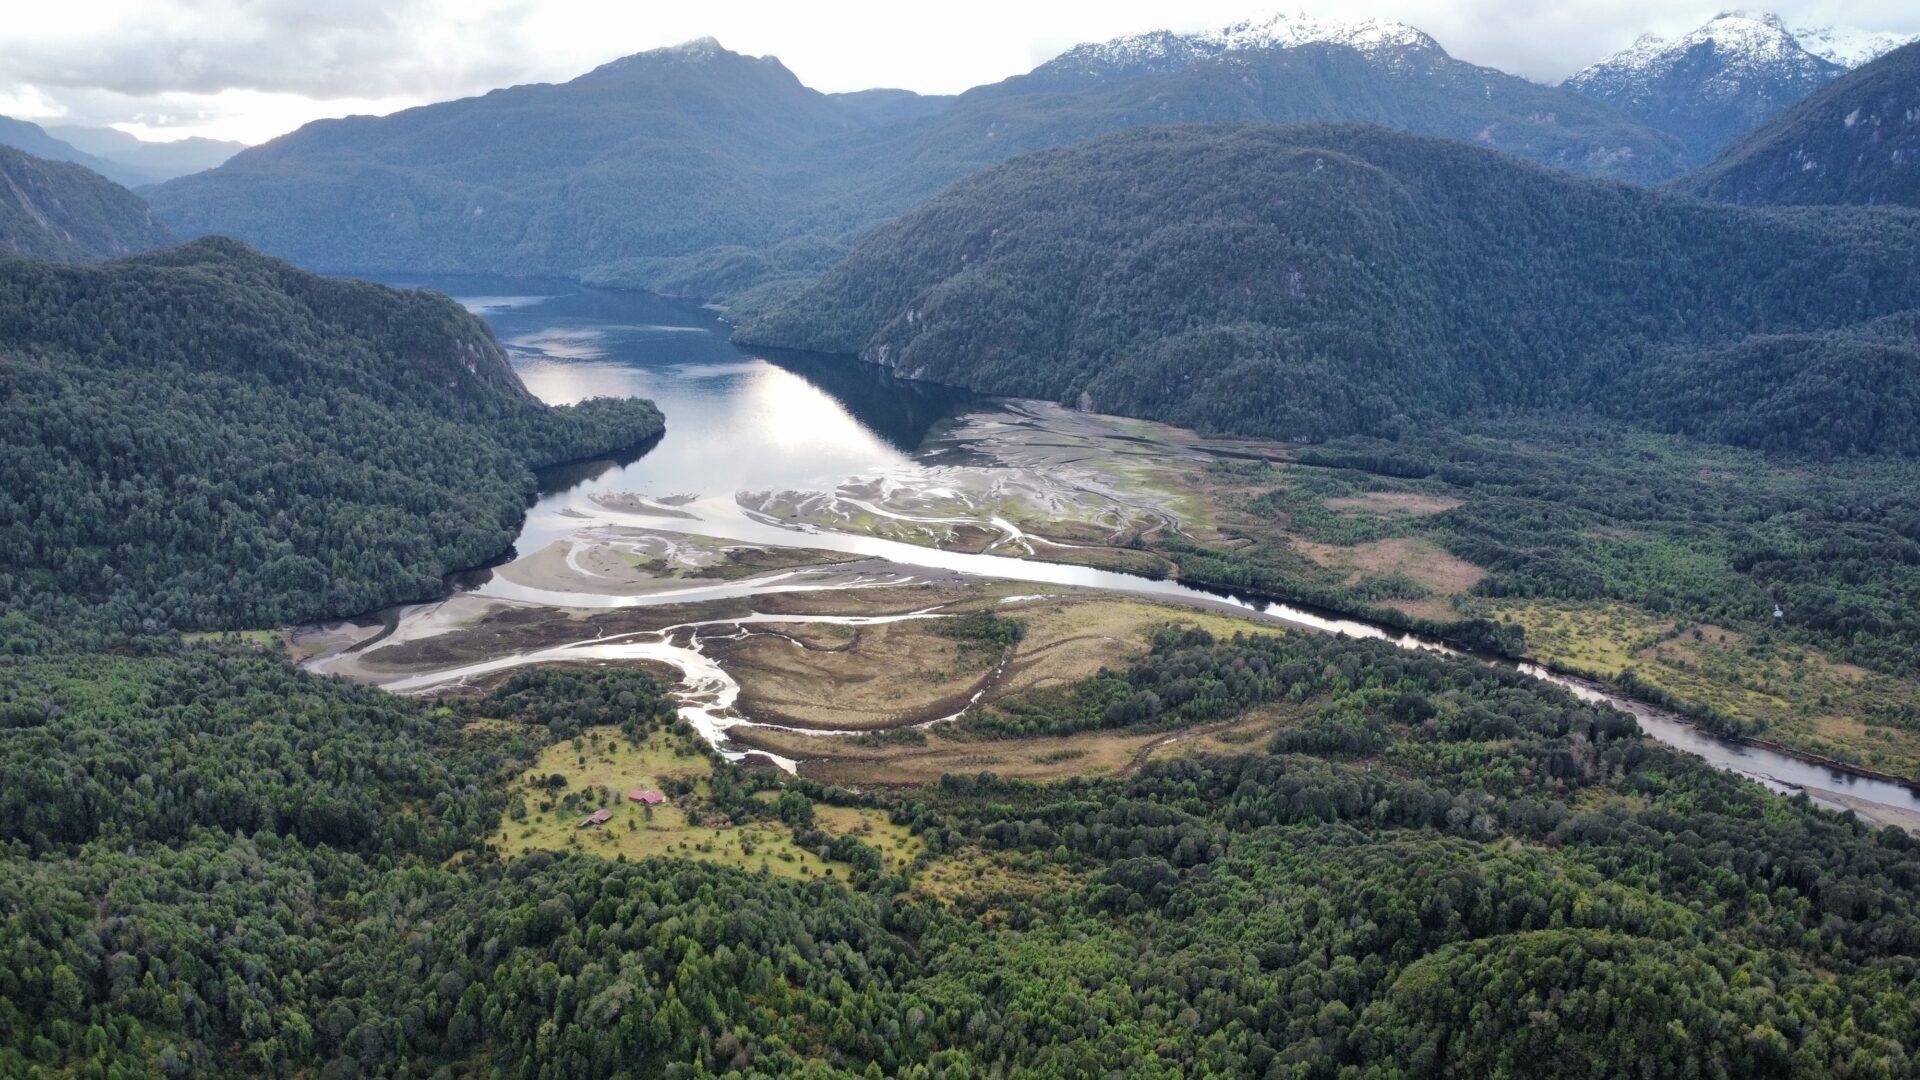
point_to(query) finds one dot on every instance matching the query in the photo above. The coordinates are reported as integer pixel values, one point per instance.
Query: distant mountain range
(158, 161)
(1856, 141)
(1317, 280)
(59, 210)
(116, 155)
(676, 154)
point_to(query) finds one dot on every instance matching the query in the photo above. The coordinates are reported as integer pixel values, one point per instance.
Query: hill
(1304, 282)
(58, 210)
(700, 154)
(1856, 141)
(204, 436)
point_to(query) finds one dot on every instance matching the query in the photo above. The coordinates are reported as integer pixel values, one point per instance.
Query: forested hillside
(57, 210)
(1856, 141)
(1309, 281)
(662, 153)
(217, 866)
(650, 170)
(204, 436)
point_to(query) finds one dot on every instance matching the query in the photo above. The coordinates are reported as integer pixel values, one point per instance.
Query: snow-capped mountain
(1849, 46)
(1712, 85)
(1164, 50)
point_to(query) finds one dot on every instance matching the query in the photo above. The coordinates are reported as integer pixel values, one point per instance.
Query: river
(758, 421)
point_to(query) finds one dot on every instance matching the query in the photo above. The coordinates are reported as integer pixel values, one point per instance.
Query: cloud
(252, 68)
(329, 49)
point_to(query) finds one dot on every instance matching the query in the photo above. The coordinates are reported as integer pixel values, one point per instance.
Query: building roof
(651, 798)
(598, 817)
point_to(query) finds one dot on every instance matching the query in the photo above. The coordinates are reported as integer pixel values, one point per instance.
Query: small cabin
(598, 817)
(650, 798)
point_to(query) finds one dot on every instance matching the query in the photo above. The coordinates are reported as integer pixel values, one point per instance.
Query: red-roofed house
(598, 817)
(651, 798)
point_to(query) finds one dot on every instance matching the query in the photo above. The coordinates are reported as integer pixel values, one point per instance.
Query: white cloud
(253, 68)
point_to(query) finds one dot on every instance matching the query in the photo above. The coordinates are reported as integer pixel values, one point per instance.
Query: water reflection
(736, 420)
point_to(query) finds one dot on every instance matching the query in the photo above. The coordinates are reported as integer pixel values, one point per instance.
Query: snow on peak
(1285, 31)
(1745, 44)
(1164, 50)
(1850, 46)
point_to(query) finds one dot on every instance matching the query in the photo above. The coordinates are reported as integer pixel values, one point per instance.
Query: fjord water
(740, 420)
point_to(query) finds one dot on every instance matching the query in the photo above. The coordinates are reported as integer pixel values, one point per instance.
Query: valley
(800, 602)
(1273, 552)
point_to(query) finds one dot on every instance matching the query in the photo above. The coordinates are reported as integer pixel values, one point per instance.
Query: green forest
(215, 864)
(1316, 281)
(207, 438)
(219, 866)
(1327, 859)
(58, 210)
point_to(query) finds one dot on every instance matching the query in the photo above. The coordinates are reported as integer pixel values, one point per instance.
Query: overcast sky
(252, 69)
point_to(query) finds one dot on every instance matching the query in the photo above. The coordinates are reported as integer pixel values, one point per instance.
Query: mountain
(666, 152)
(1710, 86)
(1857, 141)
(204, 436)
(1282, 70)
(657, 164)
(58, 210)
(155, 160)
(1309, 281)
(32, 138)
(1849, 46)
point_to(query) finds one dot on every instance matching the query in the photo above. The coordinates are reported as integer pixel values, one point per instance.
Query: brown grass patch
(1445, 574)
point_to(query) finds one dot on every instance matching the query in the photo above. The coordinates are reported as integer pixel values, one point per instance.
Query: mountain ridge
(680, 153)
(1856, 141)
(1307, 281)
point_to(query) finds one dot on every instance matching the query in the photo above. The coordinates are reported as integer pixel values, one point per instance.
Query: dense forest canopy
(218, 866)
(1855, 141)
(206, 437)
(58, 210)
(1304, 282)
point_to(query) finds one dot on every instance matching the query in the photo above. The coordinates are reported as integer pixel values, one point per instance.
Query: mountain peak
(1735, 37)
(1712, 83)
(1164, 50)
(701, 50)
